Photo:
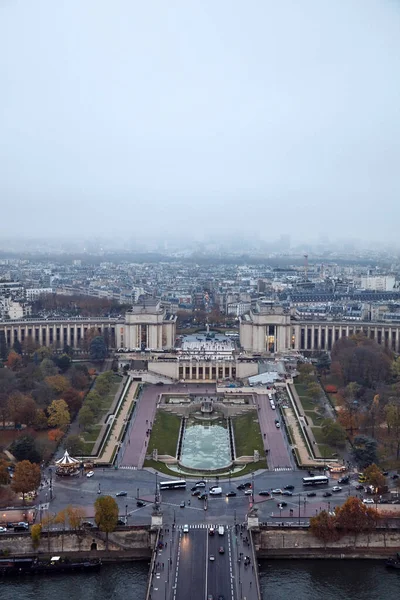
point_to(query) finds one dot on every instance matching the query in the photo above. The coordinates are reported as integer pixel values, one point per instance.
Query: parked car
(87, 524)
(3, 529)
(277, 425)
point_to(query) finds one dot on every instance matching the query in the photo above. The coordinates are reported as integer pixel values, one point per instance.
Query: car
(3, 529)
(118, 494)
(277, 425)
(311, 494)
(186, 529)
(264, 493)
(182, 504)
(212, 557)
(231, 494)
(241, 486)
(121, 522)
(211, 531)
(90, 474)
(327, 494)
(385, 473)
(202, 496)
(289, 487)
(200, 484)
(248, 492)
(194, 488)
(140, 503)
(196, 493)
(345, 479)
(221, 550)
(247, 484)
(87, 524)
(277, 491)
(395, 476)
(287, 493)
(368, 501)
(359, 486)
(336, 488)
(282, 504)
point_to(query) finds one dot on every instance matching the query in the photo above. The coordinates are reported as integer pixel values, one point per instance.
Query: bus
(317, 480)
(172, 484)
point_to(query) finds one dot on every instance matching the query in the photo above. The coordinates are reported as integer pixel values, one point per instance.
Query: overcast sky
(134, 118)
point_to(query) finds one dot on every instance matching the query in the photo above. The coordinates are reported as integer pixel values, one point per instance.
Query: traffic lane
(193, 563)
(278, 455)
(219, 570)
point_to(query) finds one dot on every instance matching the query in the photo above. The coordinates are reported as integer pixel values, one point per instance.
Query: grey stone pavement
(279, 454)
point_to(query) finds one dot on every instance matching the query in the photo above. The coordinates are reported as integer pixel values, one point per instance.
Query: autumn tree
(61, 518)
(106, 515)
(14, 361)
(58, 383)
(36, 532)
(40, 421)
(392, 414)
(323, 527)
(58, 414)
(24, 448)
(21, 408)
(361, 360)
(73, 398)
(4, 473)
(48, 368)
(55, 435)
(374, 476)
(333, 432)
(75, 516)
(26, 478)
(355, 517)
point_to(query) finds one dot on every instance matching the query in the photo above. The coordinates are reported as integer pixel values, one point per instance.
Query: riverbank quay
(301, 543)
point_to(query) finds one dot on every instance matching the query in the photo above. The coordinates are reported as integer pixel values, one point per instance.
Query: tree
(55, 435)
(14, 361)
(374, 476)
(97, 348)
(73, 398)
(314, 391)
(8, 383)
(3, 346)
(26, 478)
(392, 413)
(85, 417)
(75, 445)
(333, 432)
(58, 383)
(58, 414)
(354, 516)
(323, 527)
(64, 362)
(305, 369)
(93, 401)
(21, 408)
(17, 347)
(48, 368)
(79, 378)
(42, 394)
(75, 515)
(4, 474)
(106, 515)
(40, 421)
(29, 345)
(362, 360)
(61, 519)
(364, 450)
(24, 448)
(36, 532)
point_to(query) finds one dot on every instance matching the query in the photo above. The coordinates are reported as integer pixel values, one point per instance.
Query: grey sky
(266, 116)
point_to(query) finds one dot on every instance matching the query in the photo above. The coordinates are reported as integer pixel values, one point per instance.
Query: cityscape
(199, 300)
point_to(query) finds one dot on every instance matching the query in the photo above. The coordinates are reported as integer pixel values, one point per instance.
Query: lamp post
(126, 514)
(252, 487)
(137, 494)
(299, 509)
(51, 482)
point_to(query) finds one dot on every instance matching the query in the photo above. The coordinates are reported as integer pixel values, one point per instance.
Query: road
(279, 454)
(199, 577)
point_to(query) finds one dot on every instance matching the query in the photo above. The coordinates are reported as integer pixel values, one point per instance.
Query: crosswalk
(201, 526)
(128, 467)
(283, 469)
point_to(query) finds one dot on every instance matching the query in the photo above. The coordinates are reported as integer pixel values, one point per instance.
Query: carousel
(67, 465)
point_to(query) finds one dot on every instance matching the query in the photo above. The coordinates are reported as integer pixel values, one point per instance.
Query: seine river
(280, 580)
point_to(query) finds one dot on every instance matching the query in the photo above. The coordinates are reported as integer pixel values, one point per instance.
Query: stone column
(319, 336)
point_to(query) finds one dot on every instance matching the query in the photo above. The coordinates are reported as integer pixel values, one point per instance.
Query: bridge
(196, 562)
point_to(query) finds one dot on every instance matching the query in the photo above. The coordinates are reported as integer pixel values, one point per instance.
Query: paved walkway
(274, 441)
(135, 448)
(119, 423)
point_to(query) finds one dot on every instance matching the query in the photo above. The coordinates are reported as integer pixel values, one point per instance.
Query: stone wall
(136, 539)
(298, 542)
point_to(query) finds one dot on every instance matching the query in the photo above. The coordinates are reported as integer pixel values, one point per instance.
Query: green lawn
(325, 449)
(301, 389)
(165, 432)
(247, 435)
(307, 403)
(163, 468)
(106, 401)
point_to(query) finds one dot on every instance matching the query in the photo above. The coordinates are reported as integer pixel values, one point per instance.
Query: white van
(216, 491)
(221, 530)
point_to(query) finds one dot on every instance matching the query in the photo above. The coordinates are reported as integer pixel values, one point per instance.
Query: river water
(280, 580)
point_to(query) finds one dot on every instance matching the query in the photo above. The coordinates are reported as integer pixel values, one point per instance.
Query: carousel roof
(67, 460)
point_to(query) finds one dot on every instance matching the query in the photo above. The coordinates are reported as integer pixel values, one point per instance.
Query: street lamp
(51, 482)
(126, 514)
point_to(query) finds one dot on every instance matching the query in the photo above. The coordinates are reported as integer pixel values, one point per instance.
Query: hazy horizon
(142, 120)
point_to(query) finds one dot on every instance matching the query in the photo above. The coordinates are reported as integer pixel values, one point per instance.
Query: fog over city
(188, 120)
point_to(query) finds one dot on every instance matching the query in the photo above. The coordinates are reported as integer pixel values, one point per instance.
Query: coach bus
(317, 480)
(172, 484)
